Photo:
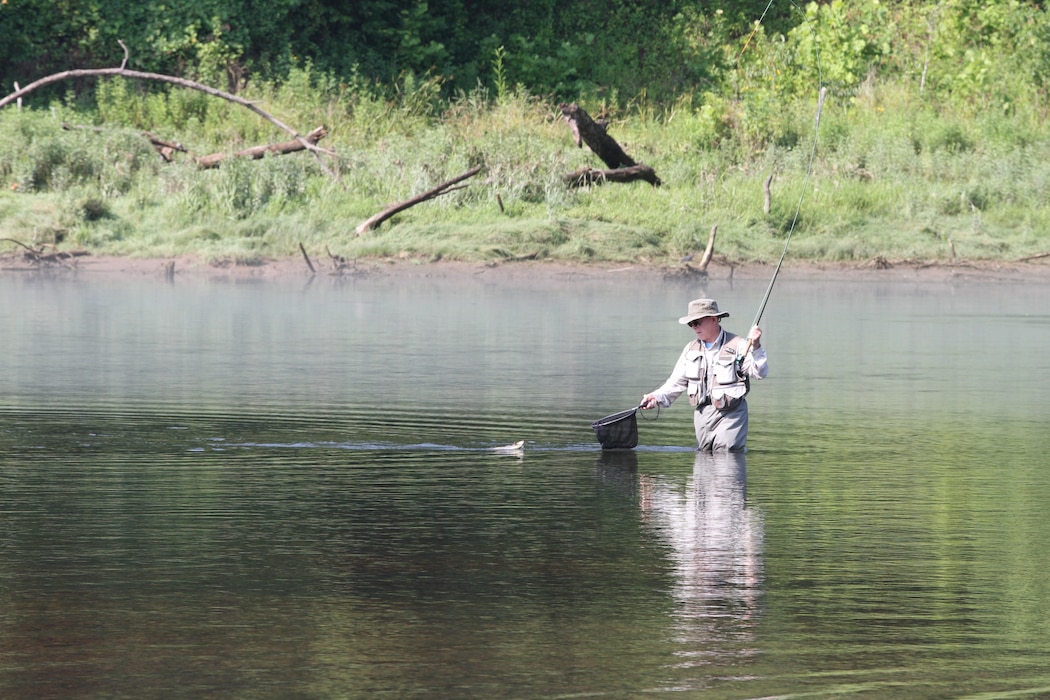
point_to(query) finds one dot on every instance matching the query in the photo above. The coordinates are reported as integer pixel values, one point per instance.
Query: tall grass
(892, 177)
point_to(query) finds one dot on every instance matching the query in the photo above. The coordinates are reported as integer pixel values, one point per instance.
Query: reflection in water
(716, 551)
(618, 461)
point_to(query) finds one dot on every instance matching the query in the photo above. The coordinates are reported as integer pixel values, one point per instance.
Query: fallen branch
(590, 176)
(1037, 256)
(393, 209)
(257, 152)
(182, 82)
(39, 256)
(167, 148)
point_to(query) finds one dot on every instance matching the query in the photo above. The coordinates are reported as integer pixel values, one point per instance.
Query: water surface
(287, 490)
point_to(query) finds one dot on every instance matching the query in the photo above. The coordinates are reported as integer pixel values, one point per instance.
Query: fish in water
(514, 448)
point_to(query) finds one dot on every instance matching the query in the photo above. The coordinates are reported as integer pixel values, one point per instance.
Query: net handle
(642, 413)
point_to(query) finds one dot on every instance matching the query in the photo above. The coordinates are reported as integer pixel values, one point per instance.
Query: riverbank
(539, 272)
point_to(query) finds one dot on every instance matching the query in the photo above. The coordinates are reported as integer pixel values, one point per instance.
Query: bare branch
(181, 82)
(441, 189)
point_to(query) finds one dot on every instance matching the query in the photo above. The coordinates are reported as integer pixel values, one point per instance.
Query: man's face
(706, 328)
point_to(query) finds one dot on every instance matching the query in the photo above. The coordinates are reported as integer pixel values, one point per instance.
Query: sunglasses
(697, 322)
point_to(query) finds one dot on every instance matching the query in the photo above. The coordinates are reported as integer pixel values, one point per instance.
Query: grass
(902, 182)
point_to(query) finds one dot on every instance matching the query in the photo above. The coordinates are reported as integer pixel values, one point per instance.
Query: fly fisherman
(716, 371)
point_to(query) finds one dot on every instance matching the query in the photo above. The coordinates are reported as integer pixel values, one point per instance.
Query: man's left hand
(754, 336)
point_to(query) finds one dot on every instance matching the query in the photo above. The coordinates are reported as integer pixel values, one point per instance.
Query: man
(716, 371)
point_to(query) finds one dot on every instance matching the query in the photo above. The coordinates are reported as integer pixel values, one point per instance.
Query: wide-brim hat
(702, 308)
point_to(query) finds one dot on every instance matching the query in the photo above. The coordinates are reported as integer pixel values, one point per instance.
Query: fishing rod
(805, 184)
(620, 430)
(791, 229)
(798, 209)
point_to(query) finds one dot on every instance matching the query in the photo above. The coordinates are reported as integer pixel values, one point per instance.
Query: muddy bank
(539, 272)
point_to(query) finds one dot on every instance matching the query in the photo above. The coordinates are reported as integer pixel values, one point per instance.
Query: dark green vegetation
(933, 140)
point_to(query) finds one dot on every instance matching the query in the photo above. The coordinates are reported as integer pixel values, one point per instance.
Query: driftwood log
(46, 254)
(443, 188)
(586, 130)
(591, 176)
(256, 152)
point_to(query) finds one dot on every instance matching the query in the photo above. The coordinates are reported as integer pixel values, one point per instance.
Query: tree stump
(586, 130)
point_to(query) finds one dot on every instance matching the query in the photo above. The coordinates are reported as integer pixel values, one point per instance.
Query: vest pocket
(726, 403)
(725, 372)
(694, 365)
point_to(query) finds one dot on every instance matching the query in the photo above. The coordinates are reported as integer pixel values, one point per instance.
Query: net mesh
(618, 431)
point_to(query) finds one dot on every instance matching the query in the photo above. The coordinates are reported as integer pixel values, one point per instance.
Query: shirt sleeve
(675, 384)
(756, 364)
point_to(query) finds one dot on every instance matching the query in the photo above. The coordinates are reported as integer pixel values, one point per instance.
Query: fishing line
(809, 168)
(755, 30)
(620, 430)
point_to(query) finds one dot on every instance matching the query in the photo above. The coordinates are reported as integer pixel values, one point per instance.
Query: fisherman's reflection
(716, 549)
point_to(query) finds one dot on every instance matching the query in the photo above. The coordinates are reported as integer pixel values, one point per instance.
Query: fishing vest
(720, 384)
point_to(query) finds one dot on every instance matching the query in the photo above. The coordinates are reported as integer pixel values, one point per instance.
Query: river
(288, 489)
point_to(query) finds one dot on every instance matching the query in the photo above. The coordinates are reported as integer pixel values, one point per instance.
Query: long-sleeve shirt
(705, 372)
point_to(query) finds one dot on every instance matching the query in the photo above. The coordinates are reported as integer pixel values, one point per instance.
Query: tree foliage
(623, 46)
(981, 52)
